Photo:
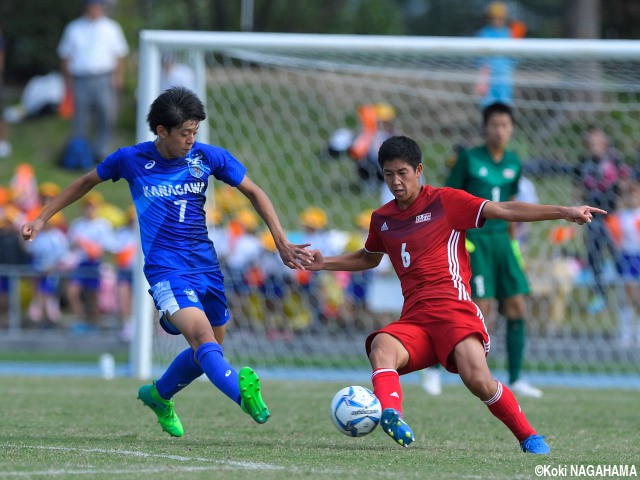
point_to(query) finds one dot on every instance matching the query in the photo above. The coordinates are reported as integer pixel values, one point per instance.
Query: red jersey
(426, 243)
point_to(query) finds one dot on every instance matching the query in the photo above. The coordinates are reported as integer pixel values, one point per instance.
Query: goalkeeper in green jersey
(491, 171)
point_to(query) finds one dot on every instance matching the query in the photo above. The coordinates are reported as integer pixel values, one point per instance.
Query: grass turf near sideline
(93, 428)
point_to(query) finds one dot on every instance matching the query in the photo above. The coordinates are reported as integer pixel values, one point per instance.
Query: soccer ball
(355, 411)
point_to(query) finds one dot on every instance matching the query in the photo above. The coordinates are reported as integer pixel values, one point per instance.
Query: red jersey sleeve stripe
(479, 219)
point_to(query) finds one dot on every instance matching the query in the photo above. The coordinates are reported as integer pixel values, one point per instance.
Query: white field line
(126, 473)
(214, 465)
(217, 464)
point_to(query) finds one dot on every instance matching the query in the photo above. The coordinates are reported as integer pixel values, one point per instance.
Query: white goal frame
(152, 42)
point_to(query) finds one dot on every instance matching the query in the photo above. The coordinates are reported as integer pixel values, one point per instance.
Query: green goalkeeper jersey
(476, 173)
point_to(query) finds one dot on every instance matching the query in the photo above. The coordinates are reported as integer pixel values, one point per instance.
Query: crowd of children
(82, 266)
(77, 273)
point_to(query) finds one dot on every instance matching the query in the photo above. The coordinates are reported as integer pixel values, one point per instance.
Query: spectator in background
(244, 250)
(317, 287)
(176, 74)
(244, 245)
(217, 231)
(625, 228)
(599, 175)
(12, 252)
(228, 201)
(313, 221)
(5, 146)
(46, 192)
(92, 50)
(124, 246)
(24, 188)
(495, 82)
(526, 193)
(89, 236)
(357, 283)
(275, 288)
(377, 124)
(7, 208)
(49, 255)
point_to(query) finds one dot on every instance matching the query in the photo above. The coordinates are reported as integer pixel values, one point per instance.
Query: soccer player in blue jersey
(168, 178)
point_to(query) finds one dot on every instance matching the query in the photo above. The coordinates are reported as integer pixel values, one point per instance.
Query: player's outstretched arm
(293, 256)
(531, 212)
(351, 262)
(69, 195)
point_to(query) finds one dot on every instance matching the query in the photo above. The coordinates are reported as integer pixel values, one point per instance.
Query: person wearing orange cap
(358, 282)
(9, 211)
(377, 125)
(24, 187)
(50, 254)
(320, 289)
(275, 289)
(242, 255)
(89, 236)
(124, 246)
(12, 251)
(48, 191)
(495, 81)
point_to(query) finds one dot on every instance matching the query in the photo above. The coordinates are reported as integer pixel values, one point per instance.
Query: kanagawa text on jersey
(168, 190)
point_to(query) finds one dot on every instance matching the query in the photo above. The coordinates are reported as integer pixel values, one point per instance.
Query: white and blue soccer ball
(355, 411)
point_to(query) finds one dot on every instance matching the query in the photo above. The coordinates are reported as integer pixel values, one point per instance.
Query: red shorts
(431, 330)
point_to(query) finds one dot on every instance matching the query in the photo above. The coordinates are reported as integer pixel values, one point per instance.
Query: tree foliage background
(32, 28)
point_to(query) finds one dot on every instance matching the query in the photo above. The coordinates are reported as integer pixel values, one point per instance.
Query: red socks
(386, 386)
(505, 407)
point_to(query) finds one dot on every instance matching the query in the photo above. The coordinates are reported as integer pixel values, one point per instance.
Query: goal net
(300, 111)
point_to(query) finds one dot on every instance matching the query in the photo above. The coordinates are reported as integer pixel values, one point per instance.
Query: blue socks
(183, 370)
(218, 370)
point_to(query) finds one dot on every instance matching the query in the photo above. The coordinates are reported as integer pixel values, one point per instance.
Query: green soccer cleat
(252, 402)
(167, 418)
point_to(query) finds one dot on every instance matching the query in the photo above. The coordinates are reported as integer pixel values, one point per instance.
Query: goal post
(276, 100)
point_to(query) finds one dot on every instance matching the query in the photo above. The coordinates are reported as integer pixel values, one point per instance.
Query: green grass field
(93, 428)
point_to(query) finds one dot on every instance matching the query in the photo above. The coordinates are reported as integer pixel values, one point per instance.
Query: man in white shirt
(176, 74)
(92, 51)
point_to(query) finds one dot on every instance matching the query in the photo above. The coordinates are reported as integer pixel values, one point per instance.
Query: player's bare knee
(379, 358)
(387, 352)
(198, 337)
(481, 385)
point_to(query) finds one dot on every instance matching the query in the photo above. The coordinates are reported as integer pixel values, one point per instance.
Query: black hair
(400, 148)
(496, 108)
(173, 107)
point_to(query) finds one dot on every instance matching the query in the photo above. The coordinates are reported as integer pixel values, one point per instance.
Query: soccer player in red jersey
(423, 232)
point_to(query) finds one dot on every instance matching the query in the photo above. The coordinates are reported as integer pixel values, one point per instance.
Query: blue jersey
(501, 82)
(169, 196)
